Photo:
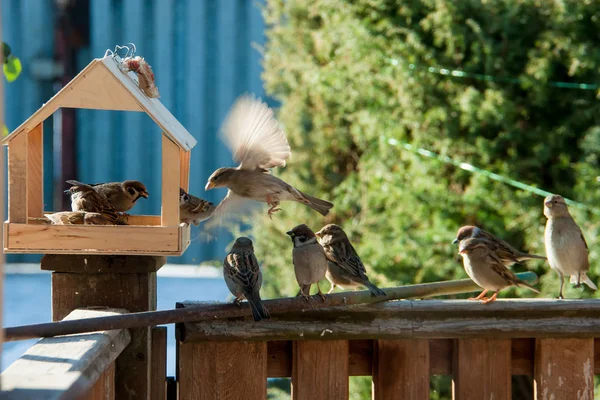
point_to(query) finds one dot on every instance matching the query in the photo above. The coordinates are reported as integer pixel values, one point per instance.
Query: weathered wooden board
(67, 367)
(94, 264)
(482, 369)
(223, 370)
(137, 292)
(564, 369)
(158, 373)
(401, 369)
(320, 370)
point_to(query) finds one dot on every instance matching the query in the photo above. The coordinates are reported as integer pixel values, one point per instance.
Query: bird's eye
(555, 202)
(186, 197)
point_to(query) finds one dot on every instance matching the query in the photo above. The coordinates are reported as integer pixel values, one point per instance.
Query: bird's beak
(144, 194)
(463, 251)
(318, 234)
(209, 185)
(67, 191)
(455, 241)
(290, 233)
(548, 204)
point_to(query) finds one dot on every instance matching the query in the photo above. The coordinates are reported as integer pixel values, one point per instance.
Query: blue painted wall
(203, 58)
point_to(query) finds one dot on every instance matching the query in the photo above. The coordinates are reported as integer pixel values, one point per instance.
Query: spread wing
(232, 207)
(254, 135)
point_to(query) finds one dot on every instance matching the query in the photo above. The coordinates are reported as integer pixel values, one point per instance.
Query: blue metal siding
(202, 55)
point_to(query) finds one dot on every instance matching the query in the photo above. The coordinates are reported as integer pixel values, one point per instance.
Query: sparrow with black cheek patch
(193, 209)
(77, 218)
(258, 143)
(243, 276)
(345, 268)
(122, 195)
(505, 252)
(486, 269)
(310, 261)
(565, 245)
(85, 198)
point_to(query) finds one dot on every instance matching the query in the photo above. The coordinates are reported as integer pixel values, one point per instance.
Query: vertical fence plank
(564, 369)
(104, 388)
(35, 172)
(158, 367)
(401, 369)
(320, 370)
(482, 369)
(223, 371)
(17, 179)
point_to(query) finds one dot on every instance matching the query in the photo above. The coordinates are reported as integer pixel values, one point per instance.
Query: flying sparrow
(310, 261)
(486, 269)
(565, 245)
(77, 218)
(345, 268)
(258, 143)
(122, 195)
(85, 198)
(505, 252)
(194, 209)
(243, 277)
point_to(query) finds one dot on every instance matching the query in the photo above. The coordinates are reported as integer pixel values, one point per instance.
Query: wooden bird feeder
(102, 85)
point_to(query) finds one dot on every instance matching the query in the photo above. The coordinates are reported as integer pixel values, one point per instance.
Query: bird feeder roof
(102, 85)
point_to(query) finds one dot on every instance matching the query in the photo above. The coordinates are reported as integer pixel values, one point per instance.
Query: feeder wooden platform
(102, 85)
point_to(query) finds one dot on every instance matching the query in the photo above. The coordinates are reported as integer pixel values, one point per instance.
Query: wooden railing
(401, 345)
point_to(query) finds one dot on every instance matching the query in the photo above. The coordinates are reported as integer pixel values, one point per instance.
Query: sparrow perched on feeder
(565, 245)
(310, 261)
(243, 276)
(86, 198)
(194, 209)
(258, 143)
(486, 269)
(122, 195)
(345, 268)
(505, 252)
(77, 218)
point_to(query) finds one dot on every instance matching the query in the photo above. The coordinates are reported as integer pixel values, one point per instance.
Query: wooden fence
(401, 344)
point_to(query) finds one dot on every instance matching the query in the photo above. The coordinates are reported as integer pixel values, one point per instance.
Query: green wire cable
(491, 175)
(492, 78)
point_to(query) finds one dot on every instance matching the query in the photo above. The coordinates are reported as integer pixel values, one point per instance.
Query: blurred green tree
(354, 77)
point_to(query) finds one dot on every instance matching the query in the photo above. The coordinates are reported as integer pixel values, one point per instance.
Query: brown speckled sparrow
(122, 195)
(345, 268)
(486, 269)
(85, 198)
(193, 209)
(258, 143)
(566, 248)
(505, 252)
(77, 218)
(310, 262)
(243, 276)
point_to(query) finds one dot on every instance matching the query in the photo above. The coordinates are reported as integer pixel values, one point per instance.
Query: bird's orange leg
(490, 300)
(273, 203)
(481, 296)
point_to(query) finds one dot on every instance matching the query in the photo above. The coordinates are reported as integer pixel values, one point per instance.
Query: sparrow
(486, 269)
(86, 198)
(194, 209)
(345, 268)
(566, 248)
(122, 195)
(505, 252)
(258, 144)
(310, 261)
(243, 276)
(77, 218)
